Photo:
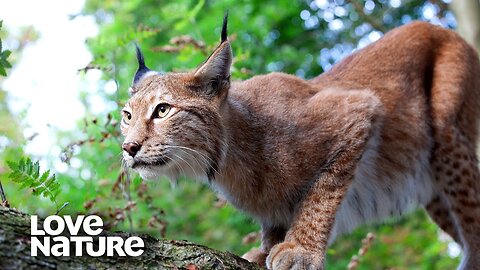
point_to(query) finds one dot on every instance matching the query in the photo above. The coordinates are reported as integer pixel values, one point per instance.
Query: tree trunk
(158, 254)
(467, 13)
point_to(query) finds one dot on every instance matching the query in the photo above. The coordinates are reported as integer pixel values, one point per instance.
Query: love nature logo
(50, 242)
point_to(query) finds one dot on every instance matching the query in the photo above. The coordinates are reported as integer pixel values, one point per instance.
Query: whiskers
(173, 161)
(125, 181)
(173, 178)
(203, 163)
(188, 164)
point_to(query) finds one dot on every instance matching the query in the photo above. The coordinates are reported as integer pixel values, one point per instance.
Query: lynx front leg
(357, 117)
(306, 241)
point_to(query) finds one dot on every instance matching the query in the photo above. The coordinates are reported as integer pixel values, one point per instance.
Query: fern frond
(27, 174)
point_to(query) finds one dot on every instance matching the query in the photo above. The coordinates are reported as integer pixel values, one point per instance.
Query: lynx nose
(132, 148)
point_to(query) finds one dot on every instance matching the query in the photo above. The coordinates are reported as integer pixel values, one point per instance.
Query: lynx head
(172, 122)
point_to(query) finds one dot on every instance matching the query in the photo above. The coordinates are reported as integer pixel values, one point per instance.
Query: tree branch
(378, 25)
(158, 254)
(467, 13)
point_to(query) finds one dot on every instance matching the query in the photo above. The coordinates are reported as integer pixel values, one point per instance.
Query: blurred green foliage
(300, 37)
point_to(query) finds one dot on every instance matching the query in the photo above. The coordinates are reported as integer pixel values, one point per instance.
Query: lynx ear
(141, 71)
(214, 73)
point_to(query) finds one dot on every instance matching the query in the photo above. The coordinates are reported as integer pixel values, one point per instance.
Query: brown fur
(393, 125)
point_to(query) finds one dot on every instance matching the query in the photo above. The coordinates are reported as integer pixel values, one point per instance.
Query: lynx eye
(127, 116)
(162, 110)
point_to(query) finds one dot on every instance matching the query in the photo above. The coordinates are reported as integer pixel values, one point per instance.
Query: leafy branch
(27, 174)
(3, 57)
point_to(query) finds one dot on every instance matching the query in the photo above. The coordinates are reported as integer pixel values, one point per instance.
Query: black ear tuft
(142, 68)
(214, 73)
(224, 27)
(140, 58)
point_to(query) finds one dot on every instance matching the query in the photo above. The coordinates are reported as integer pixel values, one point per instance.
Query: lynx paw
(256, 255)
(285, 256)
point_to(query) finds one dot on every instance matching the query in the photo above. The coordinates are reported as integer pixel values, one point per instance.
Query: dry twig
(366, 244)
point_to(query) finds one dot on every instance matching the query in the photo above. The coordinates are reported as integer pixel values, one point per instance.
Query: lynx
(391, 127)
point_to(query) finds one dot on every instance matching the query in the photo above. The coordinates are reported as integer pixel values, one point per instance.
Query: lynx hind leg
(458, 180)
(439, 212)
(270, 237)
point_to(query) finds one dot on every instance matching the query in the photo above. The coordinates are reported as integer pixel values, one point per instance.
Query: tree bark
(467, 13)
(158, 254)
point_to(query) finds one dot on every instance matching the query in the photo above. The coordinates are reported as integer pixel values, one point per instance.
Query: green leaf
(5, 63)
(27, 174)
(6, 53)
(36, 170)
(12, 165)
(44, 176)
